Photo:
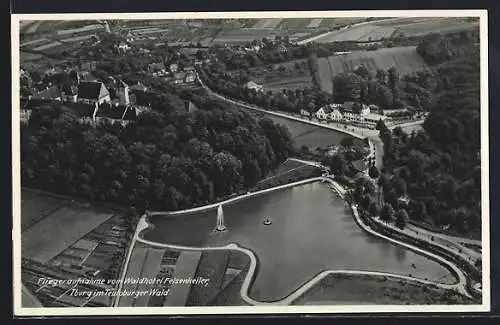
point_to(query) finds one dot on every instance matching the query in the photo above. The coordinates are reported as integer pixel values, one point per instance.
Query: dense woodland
(168, 160)
(439, 167)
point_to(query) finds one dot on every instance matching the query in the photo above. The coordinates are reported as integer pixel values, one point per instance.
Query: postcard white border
(76, 311)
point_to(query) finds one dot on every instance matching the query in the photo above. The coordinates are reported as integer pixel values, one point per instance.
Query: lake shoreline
(338, 189)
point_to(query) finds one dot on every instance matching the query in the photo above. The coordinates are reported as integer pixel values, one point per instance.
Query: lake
(311, 231)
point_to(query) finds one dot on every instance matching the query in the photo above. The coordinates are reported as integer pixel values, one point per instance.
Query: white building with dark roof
(254, 85)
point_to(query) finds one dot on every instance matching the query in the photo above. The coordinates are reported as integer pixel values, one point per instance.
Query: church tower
(122, 92)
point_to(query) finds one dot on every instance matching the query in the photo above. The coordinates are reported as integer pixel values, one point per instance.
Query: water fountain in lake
(220, 219)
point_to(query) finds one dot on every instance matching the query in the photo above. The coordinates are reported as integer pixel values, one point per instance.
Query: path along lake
(311, 231)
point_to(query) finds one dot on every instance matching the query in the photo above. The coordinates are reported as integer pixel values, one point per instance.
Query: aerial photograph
(250, 162)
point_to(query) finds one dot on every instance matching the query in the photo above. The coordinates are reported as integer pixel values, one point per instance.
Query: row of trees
(169, 159)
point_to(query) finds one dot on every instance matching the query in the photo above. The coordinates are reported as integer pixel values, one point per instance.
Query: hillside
(405, 59)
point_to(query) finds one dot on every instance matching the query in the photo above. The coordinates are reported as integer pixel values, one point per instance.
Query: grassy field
(134, 270)
(295, 23)
(151, 268)
(441, 26)
(56, 232)
(424, 25)
(186, 267)
(405, 59)
(325, 75)
(292, 83)
(358, 33)
(293, 74)
(239, 36)
(309, 135)
(388, 28)
(358, 289)
(212, 266)
(230, 295)
(34, 208)
(267, 23)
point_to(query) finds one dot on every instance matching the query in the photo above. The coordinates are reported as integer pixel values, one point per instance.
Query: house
(198, 63)
(189, 68)
(254, 85)
(179, 78)
(323, 112)
(157, 69)
(85, 75)
(88, 66)
(190, 107)
(122, 92)
(123, 47)
(138, 87)
(373, 118)
(69, 93)
(25, 111)
(305, 112)
(52, 93)
(353, 111)
(190, 77)
(112, 113)
(173, 67)
(93, 92)
(83, 111)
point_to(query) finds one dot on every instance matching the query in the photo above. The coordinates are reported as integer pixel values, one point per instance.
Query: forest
(439, 166)
(167, 160)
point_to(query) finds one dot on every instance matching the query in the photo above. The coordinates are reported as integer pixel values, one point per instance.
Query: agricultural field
(145, 263)
(295, 23)
(290, 75)
(441, 26)
(365, 32)
(365, 290)
(325, 75)
(292, 83)
(267, 23)
(240, 36)
(56, 232)
(64, 239)
(390, 27)
(423, 25)
(404, 59)
(332, 22)
(34, 209)
(315, 23)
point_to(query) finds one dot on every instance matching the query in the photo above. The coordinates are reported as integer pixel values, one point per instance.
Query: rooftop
(94, 90)
(49, 93)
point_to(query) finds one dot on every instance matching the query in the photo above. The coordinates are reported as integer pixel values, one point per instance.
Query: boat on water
(267, 221)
